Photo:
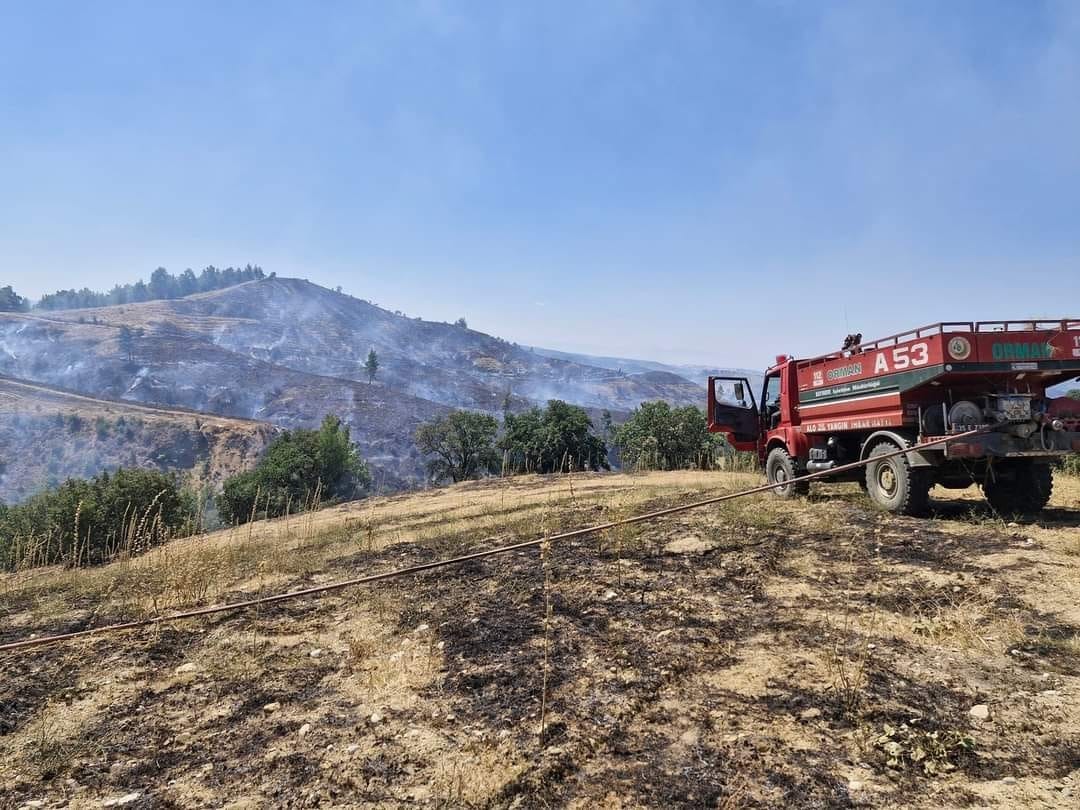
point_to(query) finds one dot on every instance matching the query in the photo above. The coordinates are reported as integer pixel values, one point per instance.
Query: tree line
(561, 437)
(162, 285)
(85, 522)
(90, 521)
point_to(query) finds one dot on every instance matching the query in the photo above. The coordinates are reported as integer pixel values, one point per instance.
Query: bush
(659, 437)
(87, 521)
(301, 469)
(560, 437)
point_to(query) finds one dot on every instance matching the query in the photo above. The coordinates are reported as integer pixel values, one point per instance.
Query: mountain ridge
(287, 351)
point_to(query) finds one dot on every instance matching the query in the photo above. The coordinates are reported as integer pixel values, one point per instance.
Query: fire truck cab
(874, 398)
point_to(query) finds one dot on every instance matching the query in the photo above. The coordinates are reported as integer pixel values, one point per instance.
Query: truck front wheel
(1019, 488)
(780, 468)
(894, 485)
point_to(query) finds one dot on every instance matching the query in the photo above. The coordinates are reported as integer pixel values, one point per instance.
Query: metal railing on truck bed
(949, 327)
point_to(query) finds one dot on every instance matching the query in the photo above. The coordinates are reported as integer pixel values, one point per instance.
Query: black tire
(894, 485)
(780, 466)
(1019, 488)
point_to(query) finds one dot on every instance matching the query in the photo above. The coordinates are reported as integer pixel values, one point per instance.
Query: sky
(707, 182)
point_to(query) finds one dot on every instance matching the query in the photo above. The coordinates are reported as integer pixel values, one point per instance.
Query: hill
(696, 373)
(287, 351)
(48, 435)
(762, 653)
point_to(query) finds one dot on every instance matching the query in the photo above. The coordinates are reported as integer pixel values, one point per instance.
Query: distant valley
(697, 374)
(48, 435)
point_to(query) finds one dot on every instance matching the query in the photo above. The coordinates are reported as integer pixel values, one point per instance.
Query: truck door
(733, 412)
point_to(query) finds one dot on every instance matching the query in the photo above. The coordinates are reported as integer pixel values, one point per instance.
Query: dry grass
(259, 555)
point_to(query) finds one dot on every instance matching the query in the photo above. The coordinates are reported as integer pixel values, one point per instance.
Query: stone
(979, 712)
(315, 653)
(352, 749)
(272, 707)
(609, 595)
(691, 544)
(376, 718)
(186, 668)
(1009, 780)
(854, 784)
(120, 801)
(304, 730)
(810, 714)
(422, 628)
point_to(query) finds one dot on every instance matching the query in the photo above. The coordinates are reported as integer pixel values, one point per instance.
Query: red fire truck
(878, 397)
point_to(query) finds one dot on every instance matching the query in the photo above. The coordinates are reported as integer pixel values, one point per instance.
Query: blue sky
(709, 182)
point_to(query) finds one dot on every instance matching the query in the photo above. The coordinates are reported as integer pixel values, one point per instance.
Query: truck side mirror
(740, 392)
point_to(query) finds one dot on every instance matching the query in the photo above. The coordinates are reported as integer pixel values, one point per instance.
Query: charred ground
(754, 655)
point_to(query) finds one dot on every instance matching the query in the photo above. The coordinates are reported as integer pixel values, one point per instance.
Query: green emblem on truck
(854, 370)
(1022, 351)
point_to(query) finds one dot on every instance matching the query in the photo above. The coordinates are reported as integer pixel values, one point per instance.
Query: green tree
(300, 470)
(462, 445)
(657, 436)
(11, 301)
(560, 437)
(371, 365)
(461, 323)
(162, 284)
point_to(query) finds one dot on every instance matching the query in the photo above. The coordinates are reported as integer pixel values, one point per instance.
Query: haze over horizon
(700, 183)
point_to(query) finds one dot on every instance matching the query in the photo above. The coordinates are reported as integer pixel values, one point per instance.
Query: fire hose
(209, 610)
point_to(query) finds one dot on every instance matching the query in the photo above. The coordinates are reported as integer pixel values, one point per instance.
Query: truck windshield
(772, 391)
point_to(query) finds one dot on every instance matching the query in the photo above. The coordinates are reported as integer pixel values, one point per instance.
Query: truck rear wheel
(1020, 488)
(781, 467)
(894, 485)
